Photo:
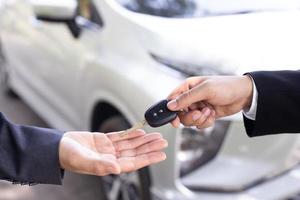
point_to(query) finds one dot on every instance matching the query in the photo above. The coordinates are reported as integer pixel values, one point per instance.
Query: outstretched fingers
(129, 164)
(136, 142)
(155, 145)
(117, 136)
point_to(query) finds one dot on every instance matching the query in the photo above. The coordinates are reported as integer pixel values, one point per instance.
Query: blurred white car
(99, 64)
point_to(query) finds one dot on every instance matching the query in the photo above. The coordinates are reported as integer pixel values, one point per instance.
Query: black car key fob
(159, 114)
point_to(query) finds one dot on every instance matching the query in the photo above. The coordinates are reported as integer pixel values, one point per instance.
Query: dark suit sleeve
(29, 155)
(278, 105)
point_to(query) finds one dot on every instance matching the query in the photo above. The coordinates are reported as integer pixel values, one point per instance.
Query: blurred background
(97, 65)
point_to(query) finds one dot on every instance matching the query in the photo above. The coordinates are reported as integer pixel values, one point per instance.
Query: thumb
(187, 98)
(108, 166)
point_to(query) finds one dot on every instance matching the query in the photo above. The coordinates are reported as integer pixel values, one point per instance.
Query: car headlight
(188, 69)
(198, 147)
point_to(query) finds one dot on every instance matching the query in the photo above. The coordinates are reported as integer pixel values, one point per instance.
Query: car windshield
(201, 8)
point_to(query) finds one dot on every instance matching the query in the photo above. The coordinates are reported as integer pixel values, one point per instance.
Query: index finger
(188, 84)
(179, 90)
(117, 136)
(187, 98)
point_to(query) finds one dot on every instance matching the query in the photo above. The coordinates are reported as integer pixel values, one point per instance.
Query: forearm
(278, 103)
(29, 154)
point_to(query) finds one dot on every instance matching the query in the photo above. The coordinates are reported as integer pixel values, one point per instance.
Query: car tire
(127, 189)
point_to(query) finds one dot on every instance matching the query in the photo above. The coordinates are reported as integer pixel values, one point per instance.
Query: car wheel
(129, 186)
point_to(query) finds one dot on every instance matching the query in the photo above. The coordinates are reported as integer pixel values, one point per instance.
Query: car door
(16, 36)
(61, 73)
(44, 57)
(47, 57)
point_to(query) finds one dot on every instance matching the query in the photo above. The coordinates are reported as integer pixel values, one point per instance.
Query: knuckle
(188, 80)
(201, 119)
(209, 122)
(186, 122)
(189, 124)
(198, 124)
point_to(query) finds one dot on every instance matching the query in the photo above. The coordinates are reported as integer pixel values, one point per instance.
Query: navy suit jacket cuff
(29, 154)
(277, 104)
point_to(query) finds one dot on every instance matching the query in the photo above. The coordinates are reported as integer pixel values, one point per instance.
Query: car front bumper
(285, 186)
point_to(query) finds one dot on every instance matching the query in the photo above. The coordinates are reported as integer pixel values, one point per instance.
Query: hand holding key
(201, 100)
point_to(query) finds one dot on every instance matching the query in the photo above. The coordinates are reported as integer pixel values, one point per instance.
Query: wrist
(247, 82)
(61, 153)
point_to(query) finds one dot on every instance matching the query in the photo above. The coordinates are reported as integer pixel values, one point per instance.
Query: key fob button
(159, 114)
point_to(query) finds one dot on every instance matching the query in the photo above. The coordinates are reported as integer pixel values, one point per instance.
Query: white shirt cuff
(251, 113)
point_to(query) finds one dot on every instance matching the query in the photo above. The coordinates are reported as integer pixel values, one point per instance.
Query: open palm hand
(102, 154)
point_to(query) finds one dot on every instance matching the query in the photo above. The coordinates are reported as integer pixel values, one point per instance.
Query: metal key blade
(136, 126)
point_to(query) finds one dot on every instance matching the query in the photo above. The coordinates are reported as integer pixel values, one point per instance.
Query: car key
(159, 114)
(156, 116)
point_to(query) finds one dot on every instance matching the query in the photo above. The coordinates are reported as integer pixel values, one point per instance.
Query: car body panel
(63, 78)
